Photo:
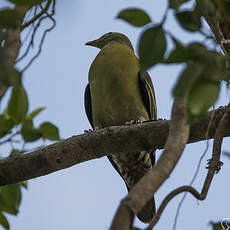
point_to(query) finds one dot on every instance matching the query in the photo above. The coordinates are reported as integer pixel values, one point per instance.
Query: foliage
(135, 17)
(199, 82)
(26, 2)
(224, 224)
(204, 69)
(16, 122)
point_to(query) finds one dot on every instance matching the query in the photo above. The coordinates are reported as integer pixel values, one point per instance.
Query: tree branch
(214, 167)
(37, 16)
(103, 142)
(220, 26)
(13, 42)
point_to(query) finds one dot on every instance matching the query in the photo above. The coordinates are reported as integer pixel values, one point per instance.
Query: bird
(119, 93)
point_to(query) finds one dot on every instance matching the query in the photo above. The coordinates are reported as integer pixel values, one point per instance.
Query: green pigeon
(119, 92)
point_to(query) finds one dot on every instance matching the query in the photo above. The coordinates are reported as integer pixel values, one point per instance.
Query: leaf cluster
(204, 69)
(16, 122)
(9, 18)
(16, 119)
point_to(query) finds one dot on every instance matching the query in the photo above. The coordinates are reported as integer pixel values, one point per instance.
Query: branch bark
(77, 149)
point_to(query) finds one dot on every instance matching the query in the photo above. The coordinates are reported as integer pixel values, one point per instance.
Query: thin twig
(213, 168)
(197, 171)
(27, 16)
(40, 45)
(26, 24)
(36, 28)
(167, 199)
(9, 139)
(31, 43)
(27, 35)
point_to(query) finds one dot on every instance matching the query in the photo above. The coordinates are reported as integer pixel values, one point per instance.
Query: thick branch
(106, 141)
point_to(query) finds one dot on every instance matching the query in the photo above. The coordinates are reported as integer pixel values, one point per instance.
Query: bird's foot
(216, 166)
(88, 131)
(132, 122)
(161, 119)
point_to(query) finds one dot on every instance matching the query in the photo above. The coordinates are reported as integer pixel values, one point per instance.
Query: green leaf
(203, 6)
(5, 113)
(202, 96)
(3, 37)
(186, 80)
(175, 4)
(152, 47)
(8, 19)
(135, 17)
(10, 198)
(9, 76)
(4, 222)
(34, 113)
(5, 125)
(24, 184)
(49, 131)
(189, 20)
(224, 224)
(197, 52)
(26, 2)
(176, 42)
(29, 133)
(194, 51)
(179, 55)
(15, 152)
(219, 5)
(18, 104)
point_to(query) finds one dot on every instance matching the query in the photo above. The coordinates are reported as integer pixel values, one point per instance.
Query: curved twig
(214, 167)
(46, 8)
(196, 172)
(41, 43)
(168, 198)
(30, 45)
(9, 139)
(31, 40)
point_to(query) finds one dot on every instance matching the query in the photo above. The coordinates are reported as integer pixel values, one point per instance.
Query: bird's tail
(147, 212)
(132, 167)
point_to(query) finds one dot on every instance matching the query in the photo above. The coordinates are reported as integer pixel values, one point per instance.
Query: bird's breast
(114, 88)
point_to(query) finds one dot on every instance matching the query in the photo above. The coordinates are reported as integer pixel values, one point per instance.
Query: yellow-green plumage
(118, 92)
(107, 77)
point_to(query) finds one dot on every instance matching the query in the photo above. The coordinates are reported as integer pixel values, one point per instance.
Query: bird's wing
(148, 95)
(88, 105)
(88, 110)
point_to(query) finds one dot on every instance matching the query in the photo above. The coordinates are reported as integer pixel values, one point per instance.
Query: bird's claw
(88, 131)
(216, 166)
(133, 122)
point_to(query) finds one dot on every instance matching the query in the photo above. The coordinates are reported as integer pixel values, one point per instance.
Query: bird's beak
(91, 43)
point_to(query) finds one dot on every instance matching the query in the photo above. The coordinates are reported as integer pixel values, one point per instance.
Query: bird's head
(109, 37)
